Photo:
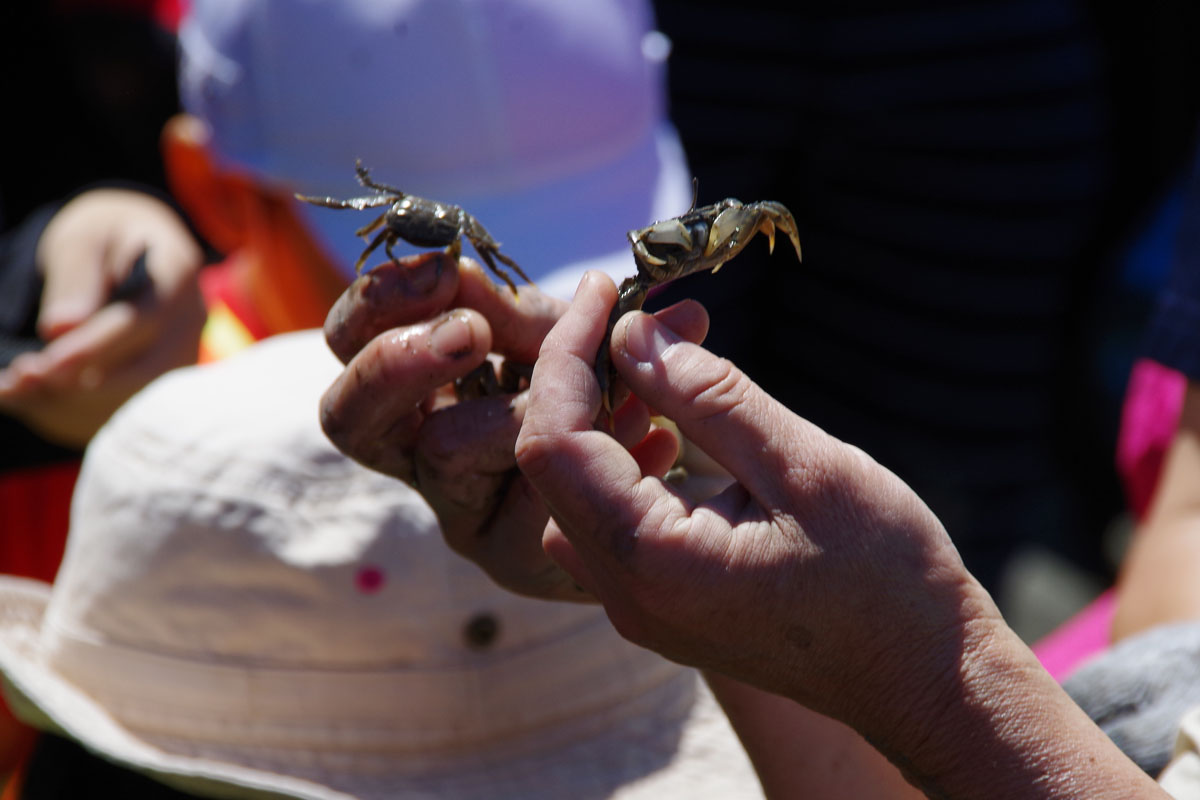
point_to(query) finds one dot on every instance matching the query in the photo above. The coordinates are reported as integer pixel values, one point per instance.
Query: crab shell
(707, 237)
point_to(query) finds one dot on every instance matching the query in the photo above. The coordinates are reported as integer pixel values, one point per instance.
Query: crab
(702, 239)
(420, 222)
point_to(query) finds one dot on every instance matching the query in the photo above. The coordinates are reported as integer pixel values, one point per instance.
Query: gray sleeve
(1138, 690)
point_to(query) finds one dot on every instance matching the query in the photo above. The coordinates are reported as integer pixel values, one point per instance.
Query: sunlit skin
(817, 575)
(100, 350)
(1158, 582)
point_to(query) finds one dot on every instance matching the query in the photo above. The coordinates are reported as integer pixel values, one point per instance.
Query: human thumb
(718, 408)
(74, 289)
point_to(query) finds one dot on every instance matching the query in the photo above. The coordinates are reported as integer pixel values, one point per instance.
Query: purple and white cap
(544, 119)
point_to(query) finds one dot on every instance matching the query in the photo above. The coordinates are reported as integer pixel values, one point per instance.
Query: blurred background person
(98, 290)
(87, 119)
(1131, 658)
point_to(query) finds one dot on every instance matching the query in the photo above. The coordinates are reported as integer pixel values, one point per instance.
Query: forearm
(1000, 728)
(1158, 578)
(800, 753)
(1003, 728)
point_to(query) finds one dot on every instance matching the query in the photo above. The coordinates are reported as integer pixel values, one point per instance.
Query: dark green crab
(421, 222)
(702, 239)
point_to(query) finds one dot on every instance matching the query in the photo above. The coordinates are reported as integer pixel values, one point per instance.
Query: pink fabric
(1083, 635)
(1149, 417)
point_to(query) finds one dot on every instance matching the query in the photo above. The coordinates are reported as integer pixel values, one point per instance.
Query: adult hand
(818, 575)
(99, 353)
(406, 331)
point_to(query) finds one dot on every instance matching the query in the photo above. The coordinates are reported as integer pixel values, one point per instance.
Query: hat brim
(41, 698)
(682, 748)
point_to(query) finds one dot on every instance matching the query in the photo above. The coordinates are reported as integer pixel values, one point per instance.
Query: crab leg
(357, 203)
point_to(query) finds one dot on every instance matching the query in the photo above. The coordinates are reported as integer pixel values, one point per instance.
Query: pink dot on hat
(370, 579)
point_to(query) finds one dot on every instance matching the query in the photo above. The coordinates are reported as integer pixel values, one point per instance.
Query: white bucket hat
(244, 612)
(542, 118)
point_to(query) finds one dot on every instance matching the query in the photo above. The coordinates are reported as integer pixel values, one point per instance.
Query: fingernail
(587, 278)
(64, 314)
(28, 365)
(452, 336)
(422, 276)
(646, 339)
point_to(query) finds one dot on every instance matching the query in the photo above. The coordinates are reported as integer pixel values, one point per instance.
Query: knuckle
(722, 389)
(534, 452)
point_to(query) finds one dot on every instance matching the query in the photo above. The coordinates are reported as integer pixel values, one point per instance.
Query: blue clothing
(1173, 337)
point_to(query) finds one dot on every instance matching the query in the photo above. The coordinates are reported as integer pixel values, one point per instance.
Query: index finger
(391, 295)
(108, 338)
(519, 322)
(780, 458)
(419, 287)
(591, 484)
(75, 285)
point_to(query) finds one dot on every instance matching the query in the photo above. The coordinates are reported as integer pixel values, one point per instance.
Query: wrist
(998, 726)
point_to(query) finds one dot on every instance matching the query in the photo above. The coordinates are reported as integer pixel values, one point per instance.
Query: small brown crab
(420, 222)
(702, 239)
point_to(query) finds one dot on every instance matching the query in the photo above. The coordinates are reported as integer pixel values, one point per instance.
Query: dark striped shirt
(949, 166)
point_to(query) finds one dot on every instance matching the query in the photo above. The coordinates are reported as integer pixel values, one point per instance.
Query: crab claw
(726, 230)
(776, 215)
(735, 226)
